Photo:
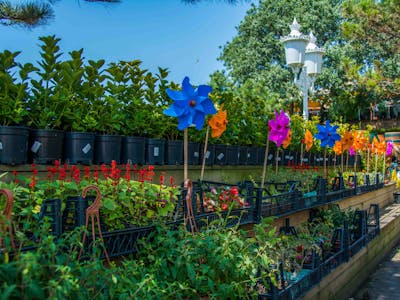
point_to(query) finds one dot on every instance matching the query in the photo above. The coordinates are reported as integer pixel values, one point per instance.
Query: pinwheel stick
(301, 154)
(204, 153)
(325, 170)
(368, 160)
(376, 163)
(347, 161)
(185, 154)
(355, 162)
(265, 163)
(276, 161)
(342, 162)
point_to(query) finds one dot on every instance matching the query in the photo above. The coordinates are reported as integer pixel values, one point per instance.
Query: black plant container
(107, 148)
(243, 155)
(252, 156)
(46, 145)
(133, 150)
(78, 148)
(193, 153)
(210, 154)
(13, 145)
(261, 156)
(155, 151)
(174, 153)
(220, 157)
(232, 153)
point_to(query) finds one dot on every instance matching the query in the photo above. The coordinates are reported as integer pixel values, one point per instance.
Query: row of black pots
(19, 145)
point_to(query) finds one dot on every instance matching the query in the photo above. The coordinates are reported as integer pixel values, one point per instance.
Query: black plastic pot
(261, 156)
(107, 148)
(13, 145)
(155, 151)
(210, 154)
(133, 150)
(243, 155)
(193, 153)
(46, 145)
(252, 156)
(220, 157)
(174, 153)
(232, 155)
(78, 148)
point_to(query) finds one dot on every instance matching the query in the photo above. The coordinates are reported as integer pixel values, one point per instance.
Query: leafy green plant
(13, 92)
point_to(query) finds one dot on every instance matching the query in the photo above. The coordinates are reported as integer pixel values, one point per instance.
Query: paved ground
(384, 284)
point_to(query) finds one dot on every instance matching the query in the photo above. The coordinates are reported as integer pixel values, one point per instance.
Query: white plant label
(270, 157)
(248, 155)
(156, 151)
(208, 154)
(220, 156)
(287, 157)
(1, 146)
(196, 154)
(305, 159)
(86, 149)
(35, 147)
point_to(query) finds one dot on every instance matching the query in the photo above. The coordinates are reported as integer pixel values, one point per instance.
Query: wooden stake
(265, 163)
(204, 154)
(185, 154)
(276, 161)
(301, 154)
(325, 170)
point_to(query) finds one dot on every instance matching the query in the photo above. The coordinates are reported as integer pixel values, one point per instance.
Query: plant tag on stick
(1, 146)
(220, 156)
(35, 147)
(156, 151)
(86, 149)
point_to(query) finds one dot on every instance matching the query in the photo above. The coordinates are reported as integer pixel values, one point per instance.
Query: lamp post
(304, 57)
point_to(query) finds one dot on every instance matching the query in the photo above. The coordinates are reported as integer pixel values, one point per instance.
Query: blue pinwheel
(327, 134)
(190, 105)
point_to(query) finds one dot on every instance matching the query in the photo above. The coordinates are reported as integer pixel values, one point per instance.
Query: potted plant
(81, 115)
(13, 96)
(51, 89)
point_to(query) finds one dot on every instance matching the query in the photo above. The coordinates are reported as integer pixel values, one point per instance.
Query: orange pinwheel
(288, 140)
(360, 141)
(308, 140)
(347, 141)
(218, 123)
(338, 148)
(378, 147)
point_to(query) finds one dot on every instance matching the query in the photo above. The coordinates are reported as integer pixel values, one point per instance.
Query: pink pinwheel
(389, 148)
(278, 128)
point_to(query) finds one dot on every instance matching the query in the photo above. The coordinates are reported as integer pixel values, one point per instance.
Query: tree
(30, 14)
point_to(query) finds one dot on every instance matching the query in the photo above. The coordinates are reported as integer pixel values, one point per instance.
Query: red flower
(224, 206)
(234, 191)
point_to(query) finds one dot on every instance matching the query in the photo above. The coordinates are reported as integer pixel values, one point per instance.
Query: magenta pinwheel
(389, 148)
(279, 128)
(190, 105)
(327, 134)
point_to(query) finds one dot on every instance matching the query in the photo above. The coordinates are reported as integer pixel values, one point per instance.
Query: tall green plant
(13, 92)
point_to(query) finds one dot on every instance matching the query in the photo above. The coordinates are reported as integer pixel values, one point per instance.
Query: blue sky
(186, 39)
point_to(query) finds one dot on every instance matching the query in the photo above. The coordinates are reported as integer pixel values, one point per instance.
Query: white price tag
(156, 151)
(35, 147)
(220, 156)
(196, 154)
(86, 149)
(208, 154)
(305, 159)
(287, 157)
(1, 146)
(270, 157)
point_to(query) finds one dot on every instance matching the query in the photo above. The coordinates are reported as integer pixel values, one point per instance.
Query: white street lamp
(304, 58)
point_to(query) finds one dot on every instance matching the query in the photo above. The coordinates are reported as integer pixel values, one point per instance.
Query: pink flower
(352, 152)
(279, 128)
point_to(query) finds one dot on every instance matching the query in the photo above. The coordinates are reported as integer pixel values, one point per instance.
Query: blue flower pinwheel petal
(188, 89)
(176, 95)
(204, 90)
(327, 134)
(190, 105)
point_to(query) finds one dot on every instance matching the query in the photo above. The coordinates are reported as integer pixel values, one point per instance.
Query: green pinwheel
(190, 105)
